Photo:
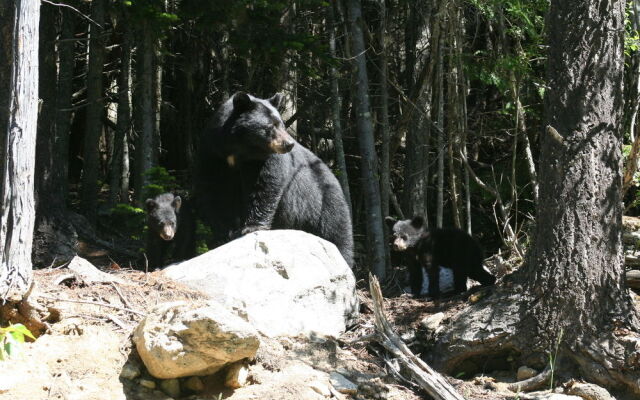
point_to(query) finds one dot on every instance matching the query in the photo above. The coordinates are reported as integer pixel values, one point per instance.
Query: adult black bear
(251, 175)
(431, 249)
(170, 229)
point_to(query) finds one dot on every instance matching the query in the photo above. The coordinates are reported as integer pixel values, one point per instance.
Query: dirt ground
(89, 341)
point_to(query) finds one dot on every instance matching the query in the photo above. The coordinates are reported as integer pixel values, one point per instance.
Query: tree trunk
(440, 121)
(66, 60)
(369, 164)
(119, 185)
(385, 174)
(17, 187)
(336, 107)
(569, 299)
(47, 189)
(145, 150)
(95, 110)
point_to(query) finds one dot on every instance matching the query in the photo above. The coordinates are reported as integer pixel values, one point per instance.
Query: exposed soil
(82, 354)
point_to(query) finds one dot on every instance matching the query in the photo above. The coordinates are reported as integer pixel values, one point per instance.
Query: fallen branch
(532, 383)
(94, 304)
(428, 379)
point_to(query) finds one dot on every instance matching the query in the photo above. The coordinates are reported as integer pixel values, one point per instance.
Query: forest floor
(89, 342)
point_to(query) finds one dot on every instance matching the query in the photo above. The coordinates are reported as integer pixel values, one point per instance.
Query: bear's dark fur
(171, 228)
(431, 249)
(251, 175)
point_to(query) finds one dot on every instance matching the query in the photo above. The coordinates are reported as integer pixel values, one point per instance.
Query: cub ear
(150, 204)
(390, 221)
(242, 102)
(276, 100)
(417, 222)
(176, 203)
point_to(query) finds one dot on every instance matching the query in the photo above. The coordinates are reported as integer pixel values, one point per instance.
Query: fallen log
(427, 378)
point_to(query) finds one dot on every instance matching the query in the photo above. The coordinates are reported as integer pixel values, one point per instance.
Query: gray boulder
(283, 282)
(180, 339)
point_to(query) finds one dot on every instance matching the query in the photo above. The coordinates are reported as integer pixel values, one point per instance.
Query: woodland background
(126, 87)
(455, 88)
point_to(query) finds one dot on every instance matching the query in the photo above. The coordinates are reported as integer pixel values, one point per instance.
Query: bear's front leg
(265, 196)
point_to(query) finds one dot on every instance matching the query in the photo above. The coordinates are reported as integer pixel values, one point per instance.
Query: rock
(432, 322)
(180, 339)
(284, 282)
(194, 384)
(147, 383)
(170, 387)
(342, 384)
(237, 375)
(129, 371)
(321, 388)
(588, 391)
(525, 372)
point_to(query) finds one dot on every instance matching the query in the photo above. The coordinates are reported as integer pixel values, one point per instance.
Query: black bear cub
(171, 229)
(431, 249)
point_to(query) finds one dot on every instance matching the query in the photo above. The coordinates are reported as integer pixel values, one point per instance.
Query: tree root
(25, 312)
(500, 326)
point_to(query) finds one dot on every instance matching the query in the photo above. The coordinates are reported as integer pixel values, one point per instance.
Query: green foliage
(203, 235)
(11, 338)
(160, 181)
(128, 219)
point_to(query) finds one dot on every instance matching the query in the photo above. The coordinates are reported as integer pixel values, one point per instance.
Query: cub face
(406, 233)
(258, 124)
(162, 215)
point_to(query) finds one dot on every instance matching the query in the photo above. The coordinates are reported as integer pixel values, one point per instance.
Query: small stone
(237, 375)
(320, 388)
(194, 384)
(432, 322)
(525, 372)
(342, 384)
(147, 383)
(129, 371)
(170, 387)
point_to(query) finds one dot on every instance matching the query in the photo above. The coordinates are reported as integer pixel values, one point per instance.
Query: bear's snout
(399, 245)
(167, 232)
(282, 143)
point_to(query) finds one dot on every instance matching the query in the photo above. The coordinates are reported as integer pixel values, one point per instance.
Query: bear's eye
(403, 237)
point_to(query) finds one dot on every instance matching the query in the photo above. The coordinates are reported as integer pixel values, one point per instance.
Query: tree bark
(375, 233)
(66, 60)
(17, 188)
(95, 110)
(336, 107)
(119, 185)
(47, 190)
(145, 150)
(569, 299)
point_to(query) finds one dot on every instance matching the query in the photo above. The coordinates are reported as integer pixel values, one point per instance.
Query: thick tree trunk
(17, 185)
(95, 110)
(570, 295)
(375, 233)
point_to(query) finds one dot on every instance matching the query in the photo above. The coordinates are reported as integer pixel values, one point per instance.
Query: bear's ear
(276, 100)
(390, 221)
(176, 203)
(150, 204)
(242, 102)
(417, 222)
